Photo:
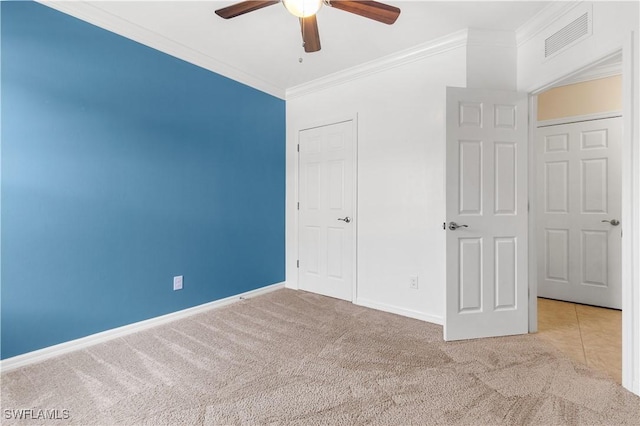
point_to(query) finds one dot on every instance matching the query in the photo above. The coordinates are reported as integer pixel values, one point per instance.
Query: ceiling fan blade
(310, 34)
(369, 9)
(242, 8)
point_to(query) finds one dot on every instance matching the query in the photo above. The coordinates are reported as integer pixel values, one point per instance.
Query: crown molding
(92, 14)
(541, 20)
(420, 51)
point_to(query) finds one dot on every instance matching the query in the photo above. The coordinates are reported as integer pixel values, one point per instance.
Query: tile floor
(587, 334)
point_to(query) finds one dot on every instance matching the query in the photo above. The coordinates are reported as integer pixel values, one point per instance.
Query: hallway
(587, 334)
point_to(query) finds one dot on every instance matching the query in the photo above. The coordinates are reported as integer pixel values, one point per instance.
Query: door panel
(470, 275)
(595, 251)
(556, 182)
(557, 254)
(470, 189)
(327, 176)
(505, 273)
(335, 252)
(312, 186)
(505, 178)
(335, 172)
(580, 166)
(593, 185)
(486, 187)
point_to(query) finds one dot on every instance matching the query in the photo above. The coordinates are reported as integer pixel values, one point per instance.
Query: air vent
(568, 35)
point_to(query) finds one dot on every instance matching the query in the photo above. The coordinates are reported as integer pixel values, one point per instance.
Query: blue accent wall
(122, 167)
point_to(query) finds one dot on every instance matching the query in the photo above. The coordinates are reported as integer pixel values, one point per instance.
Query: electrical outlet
(413, 282)
(177, 283)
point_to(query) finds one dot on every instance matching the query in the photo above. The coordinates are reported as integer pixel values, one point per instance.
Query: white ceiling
(265, 45)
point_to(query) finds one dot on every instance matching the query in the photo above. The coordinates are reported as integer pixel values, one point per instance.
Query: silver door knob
(345, 219)
(614, 222)
(453, 226)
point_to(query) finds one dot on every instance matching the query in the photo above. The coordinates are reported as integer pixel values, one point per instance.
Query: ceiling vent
(568, 35)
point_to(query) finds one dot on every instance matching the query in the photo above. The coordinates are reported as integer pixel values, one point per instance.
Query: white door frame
(630, 215)
(312, 125)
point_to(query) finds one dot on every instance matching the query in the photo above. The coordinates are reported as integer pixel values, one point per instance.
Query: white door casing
(326, 217)
(579, 187)
(486, 189)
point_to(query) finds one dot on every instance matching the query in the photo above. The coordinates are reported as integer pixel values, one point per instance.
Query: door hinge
(298, 147)
(528, 206)
(297, 263)
(298, 205)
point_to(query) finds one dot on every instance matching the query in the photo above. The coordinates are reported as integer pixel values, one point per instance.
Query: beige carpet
(297, 358)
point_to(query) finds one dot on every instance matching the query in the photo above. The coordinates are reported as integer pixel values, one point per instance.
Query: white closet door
(578, 210)
(327, 210)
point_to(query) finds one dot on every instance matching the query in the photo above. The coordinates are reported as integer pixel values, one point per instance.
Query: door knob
(345, 219)
(453, 226)
(614, 222)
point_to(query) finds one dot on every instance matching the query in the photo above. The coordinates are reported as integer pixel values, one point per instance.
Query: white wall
(615, 27)
(401, 158)
(491, 59)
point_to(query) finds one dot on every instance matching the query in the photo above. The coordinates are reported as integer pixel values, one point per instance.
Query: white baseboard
(399, 311)
(93, 339)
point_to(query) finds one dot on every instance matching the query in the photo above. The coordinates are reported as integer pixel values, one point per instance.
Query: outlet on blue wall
(123, 167)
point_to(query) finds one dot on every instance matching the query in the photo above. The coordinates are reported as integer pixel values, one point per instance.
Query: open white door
(486, 191)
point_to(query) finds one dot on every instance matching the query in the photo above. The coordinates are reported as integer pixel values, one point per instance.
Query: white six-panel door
(486, 196)
(326, 217)
(578, 210)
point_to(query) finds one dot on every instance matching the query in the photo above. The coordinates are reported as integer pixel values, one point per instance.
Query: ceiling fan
(306, 10)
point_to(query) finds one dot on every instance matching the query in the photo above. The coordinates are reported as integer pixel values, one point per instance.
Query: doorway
(327, 210)
(577, 210)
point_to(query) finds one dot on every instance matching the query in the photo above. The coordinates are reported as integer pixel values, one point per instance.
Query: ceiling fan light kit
(302, 8)
(306, 10)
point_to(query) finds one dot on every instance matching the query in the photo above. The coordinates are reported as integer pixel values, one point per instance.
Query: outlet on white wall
(413, 282)
(177, 283)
